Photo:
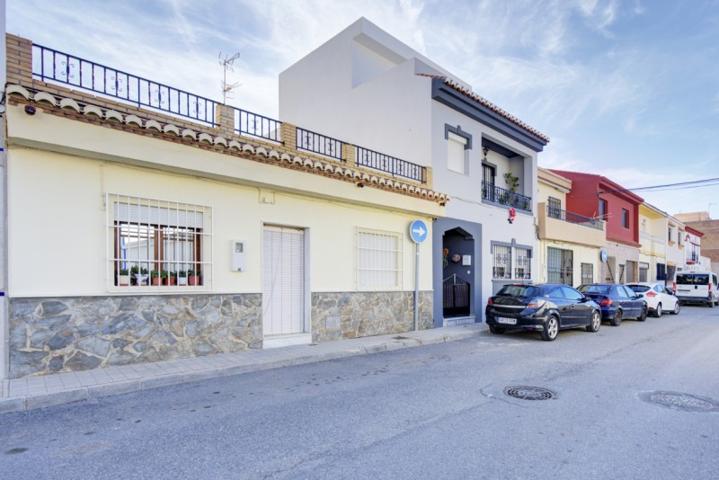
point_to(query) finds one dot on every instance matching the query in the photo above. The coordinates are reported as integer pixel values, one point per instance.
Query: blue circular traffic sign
(418, 231)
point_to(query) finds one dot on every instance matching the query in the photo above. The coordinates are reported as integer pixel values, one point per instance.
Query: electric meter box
(238, 256)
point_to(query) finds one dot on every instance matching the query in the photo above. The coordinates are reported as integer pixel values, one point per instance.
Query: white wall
(389, 111)
(58, 242)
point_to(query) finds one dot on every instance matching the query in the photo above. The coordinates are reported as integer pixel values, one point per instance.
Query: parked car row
(549, 308)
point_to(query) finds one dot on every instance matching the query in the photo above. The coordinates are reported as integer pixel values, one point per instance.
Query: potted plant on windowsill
(123, 277)
(156, 277)
(168, 278)
(194, 278)
(182, 277)
(139, 275)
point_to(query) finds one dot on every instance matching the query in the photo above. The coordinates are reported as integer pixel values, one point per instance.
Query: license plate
(507, 320)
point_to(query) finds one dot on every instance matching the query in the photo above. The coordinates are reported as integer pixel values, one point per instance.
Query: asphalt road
(430, 412)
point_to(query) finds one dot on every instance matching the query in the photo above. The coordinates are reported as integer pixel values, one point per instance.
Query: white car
(658, 298)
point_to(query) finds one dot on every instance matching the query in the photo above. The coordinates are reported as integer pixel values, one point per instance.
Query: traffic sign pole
(416, 286)
(418, 232)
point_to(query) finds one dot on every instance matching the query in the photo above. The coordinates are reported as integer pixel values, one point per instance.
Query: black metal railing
(502, 196)
(256, 125)
(318, 143)
(392, 165)
(56, 66)
(575, 218)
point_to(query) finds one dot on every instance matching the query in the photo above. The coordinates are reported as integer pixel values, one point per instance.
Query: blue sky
(628, 89)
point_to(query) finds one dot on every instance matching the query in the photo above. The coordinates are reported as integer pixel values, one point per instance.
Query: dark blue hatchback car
(617, 302)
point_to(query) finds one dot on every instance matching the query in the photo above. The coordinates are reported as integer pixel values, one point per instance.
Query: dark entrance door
(458, 272)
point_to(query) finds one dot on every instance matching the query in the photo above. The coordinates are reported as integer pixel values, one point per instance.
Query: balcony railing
(50, 64)
(256, 125)
(55, 66)
(392, 165)
(575, 218)
(318, 143)
(502, 196)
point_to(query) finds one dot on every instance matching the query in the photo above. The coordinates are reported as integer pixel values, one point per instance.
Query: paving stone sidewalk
(42, 391)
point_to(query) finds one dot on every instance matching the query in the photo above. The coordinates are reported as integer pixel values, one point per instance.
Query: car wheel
(496, 330)
(617, 320)
(595, 323)
(644, 313)
(658, 311)
(711, 303)
(551, 329)
(677, 308)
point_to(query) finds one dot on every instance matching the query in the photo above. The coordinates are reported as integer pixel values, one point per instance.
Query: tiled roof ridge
(492, 106)
(259, 150)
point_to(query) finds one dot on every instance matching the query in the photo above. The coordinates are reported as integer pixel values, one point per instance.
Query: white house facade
(147, 223)
(366, 83)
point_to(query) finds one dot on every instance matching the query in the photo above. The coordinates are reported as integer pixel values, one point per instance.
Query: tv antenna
(227, 62)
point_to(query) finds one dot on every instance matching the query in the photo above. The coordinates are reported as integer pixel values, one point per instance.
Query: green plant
(182, 273)
(511, 181)
(135, 270)
(155, 274)
(124, 272)
(164, 274)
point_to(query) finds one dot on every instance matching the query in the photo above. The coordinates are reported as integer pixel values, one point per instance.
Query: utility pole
(227, 63)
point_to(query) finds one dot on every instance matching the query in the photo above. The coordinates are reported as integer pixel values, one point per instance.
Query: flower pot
(171, 280)
(182, 281)
(194, 280)
(123, 280)
(156, 281)
(141, 279)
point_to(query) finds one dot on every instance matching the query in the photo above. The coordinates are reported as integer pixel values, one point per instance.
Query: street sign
(418, 231)
(603, 255)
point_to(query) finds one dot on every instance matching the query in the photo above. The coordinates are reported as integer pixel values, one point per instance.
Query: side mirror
(584, 299)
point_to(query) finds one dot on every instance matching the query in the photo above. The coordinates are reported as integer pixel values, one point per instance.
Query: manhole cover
(400, 337)
(524, 392)
(684, 402)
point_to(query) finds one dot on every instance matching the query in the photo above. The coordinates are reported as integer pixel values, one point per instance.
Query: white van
(697, 287)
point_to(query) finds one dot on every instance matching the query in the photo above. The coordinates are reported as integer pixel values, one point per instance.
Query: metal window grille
(522, 263)
(379, 260)
(501, 262)
(157, 244)
(560, 266)
(554, 207)
(587, 273)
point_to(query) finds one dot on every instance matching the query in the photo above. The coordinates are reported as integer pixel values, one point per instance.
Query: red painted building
(597, 196)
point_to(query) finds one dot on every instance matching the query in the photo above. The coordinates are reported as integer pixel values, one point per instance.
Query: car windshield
(599, 289)
(518, 291)
(639, 288)
(693, 279)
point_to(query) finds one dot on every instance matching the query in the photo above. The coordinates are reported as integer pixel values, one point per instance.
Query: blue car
(617, 302)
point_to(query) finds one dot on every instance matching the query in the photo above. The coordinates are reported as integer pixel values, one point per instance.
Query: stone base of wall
(337, 315)
(50, 335)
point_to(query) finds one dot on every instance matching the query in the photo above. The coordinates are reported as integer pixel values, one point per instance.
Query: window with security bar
(158, 244)
(587, 273)
(522, 263)
(379, 260)
(501, 262)
(560, 266)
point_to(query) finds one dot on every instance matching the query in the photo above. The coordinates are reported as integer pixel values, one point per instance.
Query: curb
(94, 392)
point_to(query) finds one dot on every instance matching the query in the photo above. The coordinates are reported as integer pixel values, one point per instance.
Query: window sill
(160, 290)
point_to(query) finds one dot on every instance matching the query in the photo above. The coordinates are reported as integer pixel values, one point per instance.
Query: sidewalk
(28, 393)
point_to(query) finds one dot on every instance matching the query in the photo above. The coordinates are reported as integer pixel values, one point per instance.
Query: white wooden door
(283, 281)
